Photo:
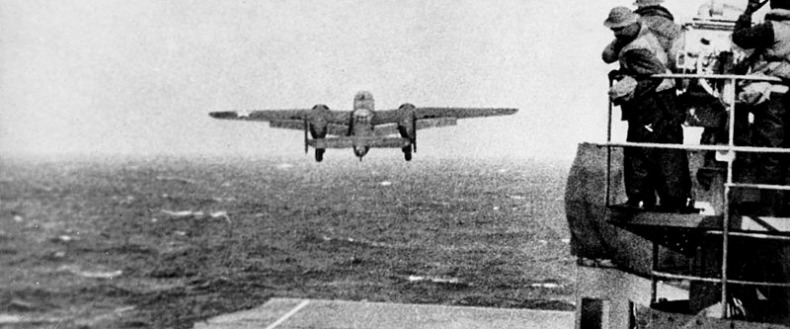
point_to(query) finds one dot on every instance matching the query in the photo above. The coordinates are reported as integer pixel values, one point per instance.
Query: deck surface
(286, 313)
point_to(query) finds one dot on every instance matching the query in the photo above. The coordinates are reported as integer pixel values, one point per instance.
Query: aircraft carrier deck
(288, 313)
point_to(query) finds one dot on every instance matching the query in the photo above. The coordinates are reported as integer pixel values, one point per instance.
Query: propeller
(306, 127)
(414, 129)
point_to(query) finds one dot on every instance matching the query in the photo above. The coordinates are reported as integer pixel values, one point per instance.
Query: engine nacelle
(407, 122)
(407, 126)
(319, 120)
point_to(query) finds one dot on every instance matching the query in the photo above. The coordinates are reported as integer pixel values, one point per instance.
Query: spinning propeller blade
(306, 127)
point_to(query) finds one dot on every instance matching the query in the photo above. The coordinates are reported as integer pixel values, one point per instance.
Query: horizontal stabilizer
(337, 129)
(389, 142)
(349, 142)
(437, 122)
(386, 129)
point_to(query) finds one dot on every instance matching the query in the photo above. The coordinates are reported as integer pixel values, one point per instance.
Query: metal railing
(731, 149)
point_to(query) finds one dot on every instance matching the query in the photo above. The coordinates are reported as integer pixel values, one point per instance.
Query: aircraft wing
(290, 119)
(436, 122)
(340, 117)
(332, 128)
(263, 115)
(461, 112)
(392, 129)
(439, 116)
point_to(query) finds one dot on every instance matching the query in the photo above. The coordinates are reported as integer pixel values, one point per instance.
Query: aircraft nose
(360, 150)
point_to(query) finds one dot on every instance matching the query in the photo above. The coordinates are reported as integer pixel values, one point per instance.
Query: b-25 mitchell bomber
(363, 127)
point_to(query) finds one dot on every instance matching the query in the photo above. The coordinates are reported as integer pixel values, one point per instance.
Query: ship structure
(720, 265)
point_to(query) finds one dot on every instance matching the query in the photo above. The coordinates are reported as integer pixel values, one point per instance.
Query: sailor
(649, 106)
(767, 102)
(658, 20)
(769, 105)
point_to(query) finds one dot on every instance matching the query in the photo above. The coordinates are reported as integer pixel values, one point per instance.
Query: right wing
(461, 112)
(428, 117)
(392, 128)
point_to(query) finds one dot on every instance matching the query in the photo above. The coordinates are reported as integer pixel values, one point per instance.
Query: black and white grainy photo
(395, 164)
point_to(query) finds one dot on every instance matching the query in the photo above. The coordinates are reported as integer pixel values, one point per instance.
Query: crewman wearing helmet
(658, 20)
(650, 108)
(768, 103)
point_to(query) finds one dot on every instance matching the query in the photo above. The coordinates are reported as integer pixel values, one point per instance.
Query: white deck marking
(288, 315)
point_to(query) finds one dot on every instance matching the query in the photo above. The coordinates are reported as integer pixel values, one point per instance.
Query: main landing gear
(407, 153)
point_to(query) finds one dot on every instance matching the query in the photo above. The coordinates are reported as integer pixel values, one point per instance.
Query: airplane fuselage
(362, 120)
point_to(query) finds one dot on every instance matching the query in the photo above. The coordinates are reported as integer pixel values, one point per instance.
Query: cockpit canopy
(364, 100)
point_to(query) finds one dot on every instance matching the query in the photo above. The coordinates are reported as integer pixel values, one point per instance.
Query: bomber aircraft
(363, 127)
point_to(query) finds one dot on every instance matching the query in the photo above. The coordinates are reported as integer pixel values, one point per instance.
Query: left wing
(270, 115)
(331, 128)
(337, 121)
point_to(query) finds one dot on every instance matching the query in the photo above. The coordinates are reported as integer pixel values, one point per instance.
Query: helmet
(620, 17)
(647, 3)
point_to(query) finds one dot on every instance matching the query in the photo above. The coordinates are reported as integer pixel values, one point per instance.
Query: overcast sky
(139, 77)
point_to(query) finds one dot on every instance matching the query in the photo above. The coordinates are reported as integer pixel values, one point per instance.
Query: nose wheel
(319, 155)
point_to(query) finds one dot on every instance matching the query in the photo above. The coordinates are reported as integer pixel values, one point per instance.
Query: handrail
(730, 148)
(667, 275)
(699, 147)
(752, 235)
(760, 186)
(716, 77)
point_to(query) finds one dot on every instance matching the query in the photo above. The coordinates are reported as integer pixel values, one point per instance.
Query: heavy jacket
(661, 22)
(640, 58)
(771, 41)
(653, 117)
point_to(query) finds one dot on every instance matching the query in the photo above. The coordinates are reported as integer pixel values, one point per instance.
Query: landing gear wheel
(407, 153)
(319, 155)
